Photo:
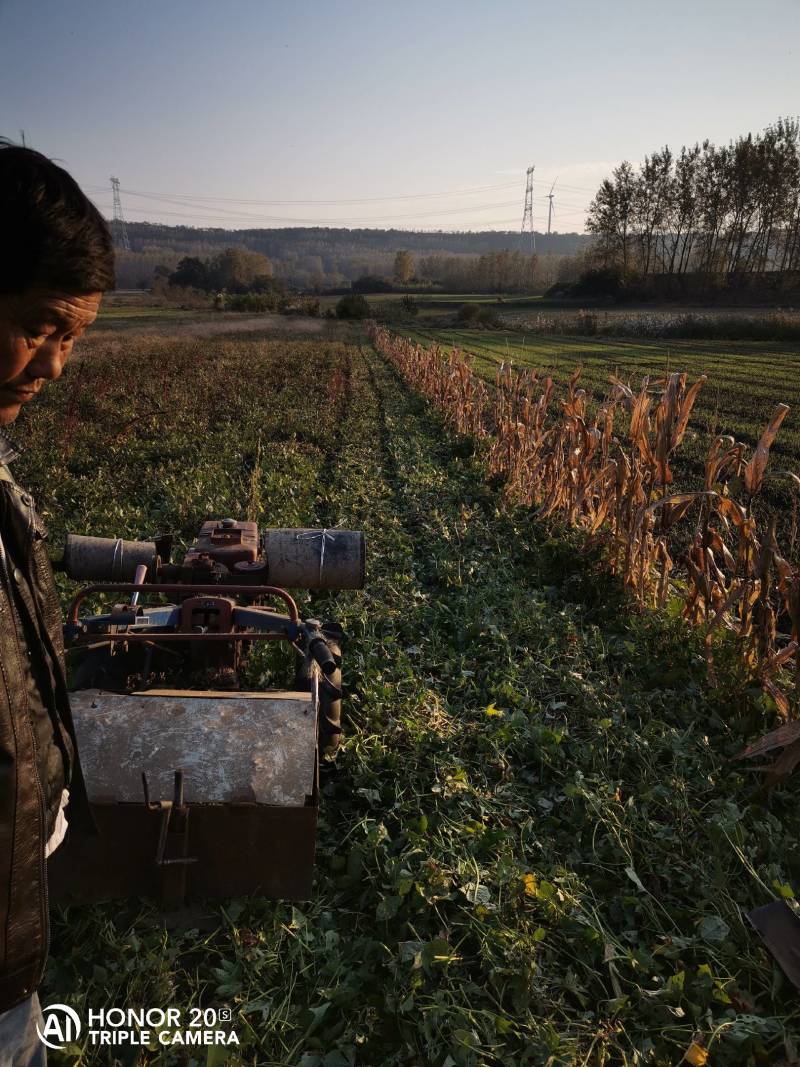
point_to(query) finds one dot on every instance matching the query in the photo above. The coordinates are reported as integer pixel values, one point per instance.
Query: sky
(419, 115)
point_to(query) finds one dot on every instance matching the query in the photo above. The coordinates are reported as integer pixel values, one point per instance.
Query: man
(56, 260)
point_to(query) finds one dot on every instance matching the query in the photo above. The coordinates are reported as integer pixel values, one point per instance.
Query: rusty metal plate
(239, 849)
(232, 747)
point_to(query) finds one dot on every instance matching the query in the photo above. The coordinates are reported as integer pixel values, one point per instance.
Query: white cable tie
(324, 535)
(118, 550)
(322, 555)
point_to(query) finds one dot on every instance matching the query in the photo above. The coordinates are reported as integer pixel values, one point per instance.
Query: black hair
(51, 234)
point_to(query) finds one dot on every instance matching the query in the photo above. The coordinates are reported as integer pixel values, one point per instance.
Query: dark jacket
(37, 741)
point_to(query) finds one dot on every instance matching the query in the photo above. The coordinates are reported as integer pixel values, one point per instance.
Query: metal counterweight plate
(232, 747)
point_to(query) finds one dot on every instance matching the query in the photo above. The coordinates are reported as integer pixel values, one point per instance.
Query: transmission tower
(118, 225)
(550, 211)
(527, 217)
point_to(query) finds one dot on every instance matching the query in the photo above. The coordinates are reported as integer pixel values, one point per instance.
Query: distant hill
(334, 255)
(322, 241)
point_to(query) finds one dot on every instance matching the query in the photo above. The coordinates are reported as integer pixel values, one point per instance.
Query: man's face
(37, 331)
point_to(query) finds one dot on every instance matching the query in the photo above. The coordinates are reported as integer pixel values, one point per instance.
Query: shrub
(468, 313)
(600, 281)
(371, 283)
(354, 306)
(253, 302)
(393, 311)
(489, 317)
(173, 295)
(560, 290)
(478, 315)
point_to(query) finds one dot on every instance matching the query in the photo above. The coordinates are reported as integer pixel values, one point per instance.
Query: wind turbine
(550, 211)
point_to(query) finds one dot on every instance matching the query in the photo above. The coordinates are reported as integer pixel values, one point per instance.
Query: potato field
(536, 847)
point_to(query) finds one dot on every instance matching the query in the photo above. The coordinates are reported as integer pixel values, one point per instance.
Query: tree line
(316, 257)
(235, 269)
(495, 272)
(730, 210)
(240, 271)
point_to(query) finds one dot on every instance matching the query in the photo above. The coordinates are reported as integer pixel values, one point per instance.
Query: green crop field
(746, 379)
(534, 848)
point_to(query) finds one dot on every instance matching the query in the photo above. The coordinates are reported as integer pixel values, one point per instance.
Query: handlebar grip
(322, 654)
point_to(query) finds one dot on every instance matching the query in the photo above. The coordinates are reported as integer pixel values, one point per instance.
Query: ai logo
(59, 1023)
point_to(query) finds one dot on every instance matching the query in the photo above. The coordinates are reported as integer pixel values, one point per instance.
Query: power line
(207, 210)
(322, 223)
(326, 224)
(232, 216)
(469, 191)
(572, 188)
(191, 198)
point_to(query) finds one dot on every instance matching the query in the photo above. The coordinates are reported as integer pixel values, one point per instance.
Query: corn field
(609, 474)
(534, 847)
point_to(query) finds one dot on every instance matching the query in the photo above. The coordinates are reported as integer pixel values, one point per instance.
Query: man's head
(56, 261)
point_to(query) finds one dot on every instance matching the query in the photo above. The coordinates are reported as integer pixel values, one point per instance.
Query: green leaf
(437, 951)
(388, 907)
(714, 929)
(234, 910)
(218, 1055)
(336, 1059)
(477, 894)
(546, 891)
(634, 877)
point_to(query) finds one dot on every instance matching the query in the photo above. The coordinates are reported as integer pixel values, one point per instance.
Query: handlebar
(251, 592)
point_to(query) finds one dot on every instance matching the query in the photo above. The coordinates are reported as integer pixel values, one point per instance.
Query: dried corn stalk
(580, 469)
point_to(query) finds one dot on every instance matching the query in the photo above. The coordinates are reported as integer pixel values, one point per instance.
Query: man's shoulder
(10, 489)
(8, 451)
(16, 503)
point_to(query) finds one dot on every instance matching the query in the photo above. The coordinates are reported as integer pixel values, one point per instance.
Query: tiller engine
(198, 783)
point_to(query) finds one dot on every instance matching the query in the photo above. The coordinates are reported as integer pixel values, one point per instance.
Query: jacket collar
(8, 450)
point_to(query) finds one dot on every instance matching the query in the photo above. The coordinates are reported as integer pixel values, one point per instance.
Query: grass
(534, 848)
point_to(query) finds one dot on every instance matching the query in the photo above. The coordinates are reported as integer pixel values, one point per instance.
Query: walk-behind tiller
(199, 785)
